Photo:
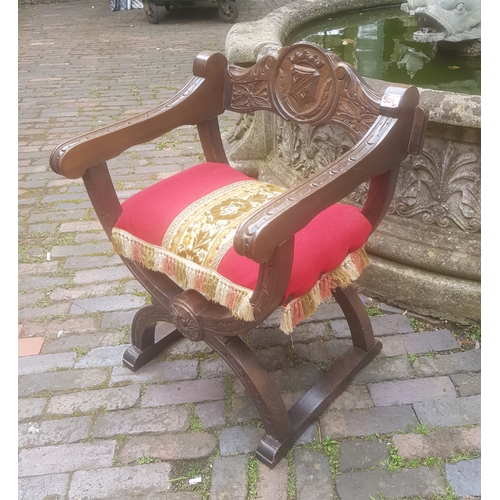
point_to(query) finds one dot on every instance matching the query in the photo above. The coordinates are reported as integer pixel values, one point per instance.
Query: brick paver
(30, 407)
(65, 458)
(101, 356)
(157, 372)
(168, 447)
(313, 478)
(29, 347)
(272, 483)
(440, 340)
(362, 454)
(469, 361)
(41, 487)
(61, 381)
(120, 482)
(467, 384)
(412, 391)
(369, 421)
(89, 428)
(238, 440)
(383, 369)
(229, 479)
(116, 398)
(138, 421)
(449, 412)
(360, 485)
(51, 432)
(443, 443)
(465, 477)
(196, 391)
(211, 414)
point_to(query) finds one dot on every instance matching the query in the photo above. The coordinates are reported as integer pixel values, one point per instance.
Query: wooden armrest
(383, 147)
(200, 100)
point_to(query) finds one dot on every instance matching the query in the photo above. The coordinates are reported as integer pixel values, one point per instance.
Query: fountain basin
(426, 253)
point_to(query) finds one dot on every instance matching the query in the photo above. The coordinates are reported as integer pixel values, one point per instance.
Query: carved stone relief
(442, 186)
(451, 21)
(299, 151)
(241, 127)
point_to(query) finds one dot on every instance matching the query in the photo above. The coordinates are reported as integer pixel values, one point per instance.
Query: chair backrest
(305, 84)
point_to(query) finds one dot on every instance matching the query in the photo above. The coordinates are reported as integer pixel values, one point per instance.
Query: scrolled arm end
(245, 240)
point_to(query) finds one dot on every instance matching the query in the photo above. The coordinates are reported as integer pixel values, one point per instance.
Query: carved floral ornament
(186, 321)
(443, 186)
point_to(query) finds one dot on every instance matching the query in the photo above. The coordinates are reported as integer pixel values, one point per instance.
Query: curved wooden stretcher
(304, 84)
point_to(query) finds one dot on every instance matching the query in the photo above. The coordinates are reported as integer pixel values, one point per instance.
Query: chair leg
(356, 316)
(257, 382)
(332, 383)
(189, 310)
(144, 348)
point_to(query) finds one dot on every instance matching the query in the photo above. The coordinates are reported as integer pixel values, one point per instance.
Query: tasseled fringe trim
(185, 273)
(305, 306)
(220, 290)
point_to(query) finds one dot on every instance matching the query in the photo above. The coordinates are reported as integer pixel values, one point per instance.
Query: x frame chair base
(283, 427)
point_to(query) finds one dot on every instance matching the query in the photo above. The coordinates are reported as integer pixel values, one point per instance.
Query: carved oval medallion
(304, 84)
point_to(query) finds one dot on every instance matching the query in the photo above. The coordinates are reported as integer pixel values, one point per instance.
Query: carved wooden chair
(219, 251)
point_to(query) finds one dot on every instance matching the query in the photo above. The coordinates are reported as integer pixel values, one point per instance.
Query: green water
(379, 44)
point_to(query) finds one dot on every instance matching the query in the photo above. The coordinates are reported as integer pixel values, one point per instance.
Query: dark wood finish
(304, 84)
(271, 450)
(144, 346)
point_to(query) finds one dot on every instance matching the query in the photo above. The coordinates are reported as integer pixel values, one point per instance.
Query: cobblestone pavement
(407, 427)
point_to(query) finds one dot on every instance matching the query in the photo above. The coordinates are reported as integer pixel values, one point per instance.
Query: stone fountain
(426, 254)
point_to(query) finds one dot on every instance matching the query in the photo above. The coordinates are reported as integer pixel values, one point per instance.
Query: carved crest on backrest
(304, 88)
(304, 83)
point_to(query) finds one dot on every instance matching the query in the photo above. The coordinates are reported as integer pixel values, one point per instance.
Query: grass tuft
(252, 476)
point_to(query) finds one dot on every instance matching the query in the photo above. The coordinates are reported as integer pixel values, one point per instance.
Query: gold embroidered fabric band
(203, 232)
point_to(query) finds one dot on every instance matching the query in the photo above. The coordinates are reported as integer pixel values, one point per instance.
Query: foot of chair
(135, 358)
(143, 334)
(315, 401)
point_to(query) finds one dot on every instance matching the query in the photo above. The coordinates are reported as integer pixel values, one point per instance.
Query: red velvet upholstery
(321, 247)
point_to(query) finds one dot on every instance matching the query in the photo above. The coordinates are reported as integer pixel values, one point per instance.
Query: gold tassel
(305, 306)
(286, 325)
(186, 274)
(220, 290)
(244, 308)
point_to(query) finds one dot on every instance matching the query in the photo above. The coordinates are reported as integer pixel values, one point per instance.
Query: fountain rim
(248, 42)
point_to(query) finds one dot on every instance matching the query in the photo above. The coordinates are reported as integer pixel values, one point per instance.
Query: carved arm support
(199, 101)
(395, 132)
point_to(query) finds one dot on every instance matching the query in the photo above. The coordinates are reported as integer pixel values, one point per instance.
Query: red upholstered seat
(184, 226)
